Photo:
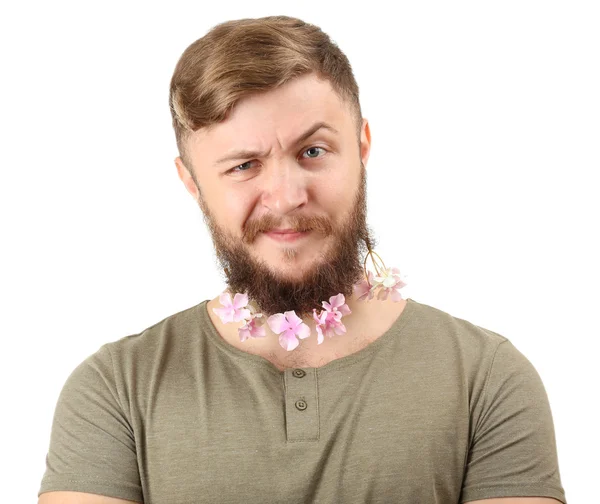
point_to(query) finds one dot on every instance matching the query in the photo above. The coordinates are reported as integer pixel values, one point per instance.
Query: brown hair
(246, 56)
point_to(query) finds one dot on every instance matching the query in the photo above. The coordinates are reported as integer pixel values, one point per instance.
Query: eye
(315, 151)
(240, 168)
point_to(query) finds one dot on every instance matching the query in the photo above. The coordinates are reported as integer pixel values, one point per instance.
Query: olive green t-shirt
(436, 410)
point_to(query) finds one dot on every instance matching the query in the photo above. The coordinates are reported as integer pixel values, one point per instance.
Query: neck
(368, 321)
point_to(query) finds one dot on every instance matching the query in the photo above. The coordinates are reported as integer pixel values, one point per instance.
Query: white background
(482, 187)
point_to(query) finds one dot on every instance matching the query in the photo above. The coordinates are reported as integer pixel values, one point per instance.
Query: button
(298, 373)
(301, 405)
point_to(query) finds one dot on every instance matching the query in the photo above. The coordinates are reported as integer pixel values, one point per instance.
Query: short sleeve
(513, 449)
(92, 446)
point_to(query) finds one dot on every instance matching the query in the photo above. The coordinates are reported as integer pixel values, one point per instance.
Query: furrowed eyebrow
(246, 154)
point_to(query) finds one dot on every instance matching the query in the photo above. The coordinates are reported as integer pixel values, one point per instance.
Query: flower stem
(372, 254)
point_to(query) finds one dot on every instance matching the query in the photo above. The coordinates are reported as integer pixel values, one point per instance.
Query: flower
(320, 323)
(251, 329)
(235, 311)
(365, 289)
(329, 320)
(289, 327)
(390, 282)
(337, 303)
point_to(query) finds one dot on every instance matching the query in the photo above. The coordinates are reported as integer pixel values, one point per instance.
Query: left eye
(314, 150)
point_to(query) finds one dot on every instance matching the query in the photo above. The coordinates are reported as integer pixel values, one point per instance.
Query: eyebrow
(246, 154)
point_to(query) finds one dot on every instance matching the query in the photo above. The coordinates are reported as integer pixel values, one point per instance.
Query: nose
(285, 188)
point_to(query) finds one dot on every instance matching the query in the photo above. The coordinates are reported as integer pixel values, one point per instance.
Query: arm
(93, 451)
(516, 500)
(512, 456)
(78, 498)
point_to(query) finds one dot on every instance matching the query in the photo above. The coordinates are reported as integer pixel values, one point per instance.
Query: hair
(247, 56)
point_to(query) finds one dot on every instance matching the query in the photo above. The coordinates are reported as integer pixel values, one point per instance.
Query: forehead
(273, 118)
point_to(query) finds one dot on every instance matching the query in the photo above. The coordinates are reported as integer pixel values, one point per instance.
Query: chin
(295, 270)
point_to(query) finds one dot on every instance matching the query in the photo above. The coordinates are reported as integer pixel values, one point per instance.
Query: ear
(365, 141)
(186, 177)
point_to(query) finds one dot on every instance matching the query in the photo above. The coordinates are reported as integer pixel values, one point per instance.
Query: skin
(86, 498)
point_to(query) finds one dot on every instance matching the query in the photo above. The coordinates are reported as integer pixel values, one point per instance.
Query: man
(309, 379)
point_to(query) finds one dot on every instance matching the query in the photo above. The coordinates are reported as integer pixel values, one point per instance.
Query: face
(285, 160)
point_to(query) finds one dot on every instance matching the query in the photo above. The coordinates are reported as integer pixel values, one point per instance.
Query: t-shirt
(435, 410)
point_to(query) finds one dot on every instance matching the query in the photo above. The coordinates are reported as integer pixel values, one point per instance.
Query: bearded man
(309, 378)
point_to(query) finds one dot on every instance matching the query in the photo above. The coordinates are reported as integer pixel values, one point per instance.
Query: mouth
(286, 235)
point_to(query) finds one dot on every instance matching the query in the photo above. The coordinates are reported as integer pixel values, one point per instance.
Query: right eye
(240, 168)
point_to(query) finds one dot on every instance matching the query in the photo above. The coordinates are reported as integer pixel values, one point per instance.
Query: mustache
(299, 223)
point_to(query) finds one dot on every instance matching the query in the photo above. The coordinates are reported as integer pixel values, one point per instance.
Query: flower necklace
(291, 328)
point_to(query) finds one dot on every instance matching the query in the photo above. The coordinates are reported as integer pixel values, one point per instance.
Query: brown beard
(336, 271)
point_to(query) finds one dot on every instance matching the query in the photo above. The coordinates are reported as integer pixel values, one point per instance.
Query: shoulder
(455, 348)
(174, 333)
(442, 329)
(136, 359)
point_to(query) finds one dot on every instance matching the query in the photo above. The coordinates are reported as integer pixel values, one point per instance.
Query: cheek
(336, 194)
(235, 208)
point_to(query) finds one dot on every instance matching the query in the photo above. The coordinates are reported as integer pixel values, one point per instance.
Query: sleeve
(512, 450)
(92, 446)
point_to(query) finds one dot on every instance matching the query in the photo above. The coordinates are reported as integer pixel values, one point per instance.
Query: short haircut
(248, 56)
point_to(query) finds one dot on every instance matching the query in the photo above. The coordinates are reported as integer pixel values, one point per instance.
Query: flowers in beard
(252, 328)
(389, 282)
(289, 327)
(329, 321)
(233, 311)
(365, 289)
(237, 310)
(386, 282)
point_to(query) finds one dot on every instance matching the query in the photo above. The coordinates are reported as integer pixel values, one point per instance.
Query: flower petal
(239, 315)
(400, 284)
(292, 318)
(278, 323)
(319, 319)
(244, 332)
(389, 281)
(382, 294)
(225, 314)
(288, 343)
(319, 335)
(396, 296)
(225, 299)
(258, 331)
(240, 301)
(344, 309)
(340, 329)
(338, 300)
(302, 331)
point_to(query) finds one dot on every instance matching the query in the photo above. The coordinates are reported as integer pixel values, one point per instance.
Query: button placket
(301, 405)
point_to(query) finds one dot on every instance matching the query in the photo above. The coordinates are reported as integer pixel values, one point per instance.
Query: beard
(335, 271)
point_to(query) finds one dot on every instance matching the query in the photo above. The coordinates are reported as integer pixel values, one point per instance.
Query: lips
(286, 235)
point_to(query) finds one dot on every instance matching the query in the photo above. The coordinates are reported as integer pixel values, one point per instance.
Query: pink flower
(337, 303)
(390, 282)
(363, 290)
(289, 327)
(251, 329)
(233, 311)
(329, 320)
(320, 323)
